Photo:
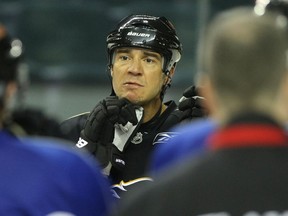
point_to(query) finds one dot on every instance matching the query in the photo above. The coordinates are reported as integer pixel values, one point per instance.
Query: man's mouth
(132, 84)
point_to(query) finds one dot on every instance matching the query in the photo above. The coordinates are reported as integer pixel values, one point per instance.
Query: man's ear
(283, 97)
(208, 93)
(111, 71)
(172, 71)
(169, 76)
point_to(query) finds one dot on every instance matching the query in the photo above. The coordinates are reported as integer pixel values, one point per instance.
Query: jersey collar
(249, 130)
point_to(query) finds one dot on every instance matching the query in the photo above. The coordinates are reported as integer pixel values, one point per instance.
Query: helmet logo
(136, 34)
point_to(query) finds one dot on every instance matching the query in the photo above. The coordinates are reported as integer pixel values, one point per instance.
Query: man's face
(137, 74)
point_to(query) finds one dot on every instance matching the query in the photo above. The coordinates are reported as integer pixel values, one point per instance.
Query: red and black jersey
(245, 172)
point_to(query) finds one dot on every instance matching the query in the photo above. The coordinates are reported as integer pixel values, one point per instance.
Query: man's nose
(135, 67)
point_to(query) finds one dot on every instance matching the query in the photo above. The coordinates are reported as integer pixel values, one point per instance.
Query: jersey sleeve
(189, 140)
(76, 181)
(71, 127)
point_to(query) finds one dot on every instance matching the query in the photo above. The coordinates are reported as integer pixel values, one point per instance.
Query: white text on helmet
(138, 34)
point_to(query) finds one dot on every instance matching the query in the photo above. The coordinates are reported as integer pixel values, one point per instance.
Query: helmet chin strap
(166, 85)
(168, 82)
(108, 71)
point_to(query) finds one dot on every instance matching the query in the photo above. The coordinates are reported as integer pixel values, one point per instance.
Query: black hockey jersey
(137, 153)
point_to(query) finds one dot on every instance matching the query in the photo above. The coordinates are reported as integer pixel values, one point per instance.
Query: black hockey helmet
(151, 32)
(273, 5)
(10, 55)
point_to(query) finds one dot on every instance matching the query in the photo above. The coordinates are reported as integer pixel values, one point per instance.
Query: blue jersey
(191, 142)
(38, 178)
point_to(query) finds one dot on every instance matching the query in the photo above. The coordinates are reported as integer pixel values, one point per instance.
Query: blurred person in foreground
(43, 177)
(244, 78)
(20, 119)
(194, 135)
(124, 128)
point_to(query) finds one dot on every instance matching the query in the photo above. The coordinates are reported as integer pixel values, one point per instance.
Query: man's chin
(133, 99)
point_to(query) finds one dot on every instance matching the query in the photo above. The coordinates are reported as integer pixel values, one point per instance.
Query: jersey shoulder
(71, 127)
(170, 117)
(55, 176)
(187, 140)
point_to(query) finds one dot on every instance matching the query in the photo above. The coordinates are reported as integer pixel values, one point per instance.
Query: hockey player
(196, 133)
(23, 120)
(41, 177)
(124, 128)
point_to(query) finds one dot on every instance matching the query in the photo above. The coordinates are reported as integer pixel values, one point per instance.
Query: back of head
(150, 32)
(244, 55)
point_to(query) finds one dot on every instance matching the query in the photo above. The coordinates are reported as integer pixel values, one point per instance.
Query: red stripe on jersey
(248, 135)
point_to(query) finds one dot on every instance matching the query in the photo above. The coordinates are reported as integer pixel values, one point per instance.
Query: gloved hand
(98, 132)
(32, 121)
(192, 104)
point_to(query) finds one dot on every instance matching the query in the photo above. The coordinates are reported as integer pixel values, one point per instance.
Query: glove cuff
(100, 151)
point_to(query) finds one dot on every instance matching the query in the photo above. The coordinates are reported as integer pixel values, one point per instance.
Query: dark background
(65, 50)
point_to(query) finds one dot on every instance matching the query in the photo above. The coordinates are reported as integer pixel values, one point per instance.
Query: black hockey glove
(192, 104)
(32, 121)
(98, 132)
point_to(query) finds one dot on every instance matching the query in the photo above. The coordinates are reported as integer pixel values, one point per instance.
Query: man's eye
(124, 58)
(149, 60)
